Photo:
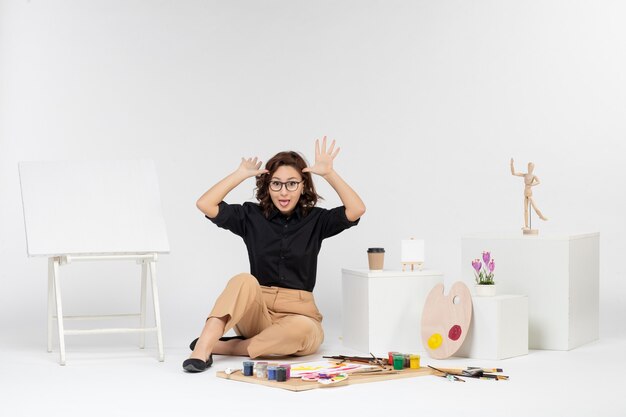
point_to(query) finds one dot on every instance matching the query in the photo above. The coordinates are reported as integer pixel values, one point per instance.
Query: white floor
(120, 380)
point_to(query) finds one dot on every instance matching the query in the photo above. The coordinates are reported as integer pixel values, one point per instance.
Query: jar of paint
(271, 372)
(390, 360)
(261, 370)
(415, 361)
(398, 361)
(287, 367)
(281, 374)
(248, 368)
(407, 360)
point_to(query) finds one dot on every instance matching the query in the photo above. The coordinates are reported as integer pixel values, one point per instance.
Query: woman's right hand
(209, 202)
(251, 167)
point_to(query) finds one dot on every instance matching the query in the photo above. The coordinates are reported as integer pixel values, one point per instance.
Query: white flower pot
(485, 290)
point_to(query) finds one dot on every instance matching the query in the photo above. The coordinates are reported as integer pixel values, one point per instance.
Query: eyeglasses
(289, 185)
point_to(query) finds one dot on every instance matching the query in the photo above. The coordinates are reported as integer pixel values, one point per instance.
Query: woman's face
(286, 200)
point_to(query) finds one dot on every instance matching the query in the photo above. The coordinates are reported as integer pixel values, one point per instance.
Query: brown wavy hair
(309, 197)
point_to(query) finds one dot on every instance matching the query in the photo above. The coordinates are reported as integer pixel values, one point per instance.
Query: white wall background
(428, 101)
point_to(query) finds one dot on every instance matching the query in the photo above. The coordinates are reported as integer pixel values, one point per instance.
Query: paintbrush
(490, 370)
(353, 358)
(447, 375)
(474, 373)
(366, 372)
(373, 360)
(495, 377)
(377, 361)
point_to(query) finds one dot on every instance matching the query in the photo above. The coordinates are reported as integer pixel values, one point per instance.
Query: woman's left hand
(323, 158)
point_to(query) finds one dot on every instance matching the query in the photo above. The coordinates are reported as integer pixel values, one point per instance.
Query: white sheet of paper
(325, 366)
(92, 207)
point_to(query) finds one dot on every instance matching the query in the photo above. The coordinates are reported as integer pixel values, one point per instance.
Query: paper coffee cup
(376, 258)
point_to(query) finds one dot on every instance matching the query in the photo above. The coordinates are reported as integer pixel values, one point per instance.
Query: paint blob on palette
(446, 320)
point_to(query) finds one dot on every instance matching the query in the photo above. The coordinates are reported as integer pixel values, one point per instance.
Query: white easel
(412, 253)
(148, 267)
(111, 212)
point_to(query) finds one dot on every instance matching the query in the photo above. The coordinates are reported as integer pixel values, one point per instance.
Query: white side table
(560, 276)
(382, 310)
(499, 328)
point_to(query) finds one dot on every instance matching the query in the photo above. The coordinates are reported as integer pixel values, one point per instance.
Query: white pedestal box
(560, 276)
(499, 328)
(382, 310)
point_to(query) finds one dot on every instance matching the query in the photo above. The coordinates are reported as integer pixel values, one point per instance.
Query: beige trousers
(278, 321)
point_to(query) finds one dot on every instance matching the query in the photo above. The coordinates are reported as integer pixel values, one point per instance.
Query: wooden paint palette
(446, 320)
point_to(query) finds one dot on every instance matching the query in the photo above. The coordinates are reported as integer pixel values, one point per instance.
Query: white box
(560, 276)
(382, 310)
(499, 328)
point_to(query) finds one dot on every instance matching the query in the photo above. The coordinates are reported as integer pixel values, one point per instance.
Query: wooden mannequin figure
(530, 180)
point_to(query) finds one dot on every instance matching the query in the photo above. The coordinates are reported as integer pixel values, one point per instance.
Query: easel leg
(157, 312)
(50, 301)
(142, 317)
(57, 296)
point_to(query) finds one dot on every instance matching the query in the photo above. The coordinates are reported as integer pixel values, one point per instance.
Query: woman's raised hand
(323, 158)
(251, 167)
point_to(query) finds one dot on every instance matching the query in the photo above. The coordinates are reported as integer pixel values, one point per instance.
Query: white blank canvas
(92, 207)
(412, 250)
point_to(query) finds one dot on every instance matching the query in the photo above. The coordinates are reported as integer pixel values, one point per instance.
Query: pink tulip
(486, 257)
(492, 265)
(476, 264)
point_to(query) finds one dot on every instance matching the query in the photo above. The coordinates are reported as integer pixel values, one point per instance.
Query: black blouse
(283, 250)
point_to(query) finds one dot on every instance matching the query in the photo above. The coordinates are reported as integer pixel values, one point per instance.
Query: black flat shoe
(197, 365)
(192, 346)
